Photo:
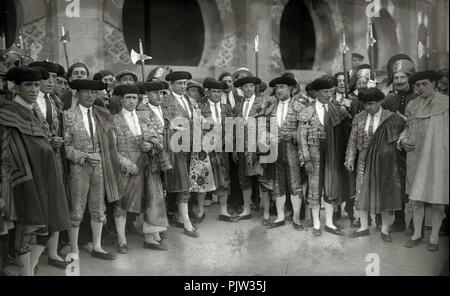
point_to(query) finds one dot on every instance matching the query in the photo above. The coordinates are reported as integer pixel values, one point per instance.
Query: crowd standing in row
(69, 143)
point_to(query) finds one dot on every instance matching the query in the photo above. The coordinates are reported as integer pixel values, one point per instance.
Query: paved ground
(248, 248)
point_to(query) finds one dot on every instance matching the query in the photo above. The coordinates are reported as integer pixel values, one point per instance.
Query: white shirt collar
(128, 113)
(22, 102)
(84, 109)
(177, 95)
(320, 105)
(378, 114)
(251, 99)
(211, 103)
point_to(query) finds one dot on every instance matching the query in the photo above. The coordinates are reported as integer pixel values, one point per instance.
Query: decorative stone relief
(228, 43)
(115, 49)
(226, 54)
(276, 64)
(34, 34)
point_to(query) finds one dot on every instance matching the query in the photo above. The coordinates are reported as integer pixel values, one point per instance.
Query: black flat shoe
(411, 243)
(101, 255)
(265, 222)
(386, 237)
(227, 218)
(245, 217)
(276, 224)
(193, 233)
(336, 231)
(360, 233)
(298, 227)
(157, 247)
(123, 249)
(58, 263)
(317, 232)
(433, 247)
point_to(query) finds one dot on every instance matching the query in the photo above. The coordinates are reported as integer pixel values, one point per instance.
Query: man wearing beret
(400, 68)
(140, 187)
(49, 110)
(177, 180)
(33, 192)
(216, 113)
(229, 96)
(288, 179)
(379, 177)
(76, 71)
(249, 166)
(324, 133)
(425, 139)
(93, 163)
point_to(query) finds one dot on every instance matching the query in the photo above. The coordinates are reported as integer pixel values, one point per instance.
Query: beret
(370, 94)
(245, 80)
(156, 85)
(122, 90)
(332, 78)
(50, 67)
(322, 83)
(178, 75)
(211, 83)
(363, 71)
(223, 75)
(21, 74)
(285, 79)
(399, 63)
(44, 73)
(87, 84)
(240, 71)
(127, 72)
(357, 56)
(430, 75)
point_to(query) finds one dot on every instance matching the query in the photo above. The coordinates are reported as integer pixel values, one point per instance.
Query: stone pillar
(86, 34)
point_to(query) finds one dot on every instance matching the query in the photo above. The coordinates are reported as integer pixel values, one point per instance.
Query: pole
(141, 51)
(344, 68)
(371, 50)
(257, 60)
(65, 48)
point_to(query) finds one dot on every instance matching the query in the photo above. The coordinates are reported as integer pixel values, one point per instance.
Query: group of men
(126, 151)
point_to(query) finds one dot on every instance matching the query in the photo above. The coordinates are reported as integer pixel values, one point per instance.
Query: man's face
(424, 88)
(129, 101)
(372, 107)
(356, 62)
(248, 89)
(155, 97)
(194, 93)
(78, 73)
(361, 83)
(47, 85)
(443, 85)
(28, 91)
(341, 84)
(324, 95)
(179, 86)
(87, 97)
(401, 81)
(108, 80)
(282, 92)
(126, 79)
(215, 95)
(61, 86)
(229, 81)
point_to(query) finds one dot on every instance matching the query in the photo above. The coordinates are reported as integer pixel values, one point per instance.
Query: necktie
(230, 99)
(217, 114)
(48, 106)
(246, 107)
(325, 115)
(371, 124)
(91, 128)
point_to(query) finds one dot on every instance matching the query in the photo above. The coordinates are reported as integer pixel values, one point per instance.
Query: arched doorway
(172, 31)
(8, 21)
(297, 36)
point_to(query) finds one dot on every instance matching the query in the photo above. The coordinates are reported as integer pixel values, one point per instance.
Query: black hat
(223, 75)
(21, 74)
(430, 75)
(370, 94)
(44, 73)
(178, 75)
(50, 67)
(211, 83)
(357, 56)
(141, 87)
(285, 79)
(61, 71)
(332, 78)
(322, 83)
(156, 85)
(156, 73)
(399, 63)
(245, 80)
(87, 84)
(122, 90)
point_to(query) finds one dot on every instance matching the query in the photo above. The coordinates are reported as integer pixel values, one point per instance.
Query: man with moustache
(93, 163)
(400, 68)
